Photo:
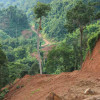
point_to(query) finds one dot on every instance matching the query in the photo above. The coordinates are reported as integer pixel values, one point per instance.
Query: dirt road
(45, 40)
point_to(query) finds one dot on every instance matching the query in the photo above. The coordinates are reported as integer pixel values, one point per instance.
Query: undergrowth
(92, 41)
(3, 93)
(37, 90)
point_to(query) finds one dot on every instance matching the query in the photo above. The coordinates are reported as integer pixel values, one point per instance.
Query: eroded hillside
(69, 86)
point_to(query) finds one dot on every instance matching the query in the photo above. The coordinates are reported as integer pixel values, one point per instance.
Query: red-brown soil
(27, 33)
(70, 86)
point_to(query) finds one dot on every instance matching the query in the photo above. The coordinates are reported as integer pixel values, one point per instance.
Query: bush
(17, 87)
(23, 73)
(34, 68)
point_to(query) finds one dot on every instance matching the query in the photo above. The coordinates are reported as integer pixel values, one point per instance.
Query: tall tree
(40, 10)
(78, 17)
(3, 69)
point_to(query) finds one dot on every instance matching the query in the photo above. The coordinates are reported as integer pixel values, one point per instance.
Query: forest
(69, 28)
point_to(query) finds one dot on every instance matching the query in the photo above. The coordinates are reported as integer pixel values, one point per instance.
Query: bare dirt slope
(70, 86)
(92, 62)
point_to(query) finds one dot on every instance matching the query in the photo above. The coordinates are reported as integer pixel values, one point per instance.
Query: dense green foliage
(24, 5)
(54, 23)
(18, 52)
(70, 49)
(78, 17)
(13, 21)
(41, 10)
(18, 42)
(3, 69)
(60, 59)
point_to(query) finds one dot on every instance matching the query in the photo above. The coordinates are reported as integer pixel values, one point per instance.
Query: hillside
(47, 41)
(54, 23)
(24, 5)
(20, 3)
(69, 86)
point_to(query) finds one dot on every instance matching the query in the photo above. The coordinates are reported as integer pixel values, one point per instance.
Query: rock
(89, 92)
(53, 96)
(98, 79)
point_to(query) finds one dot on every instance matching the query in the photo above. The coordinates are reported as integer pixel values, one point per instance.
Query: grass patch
(37, 90)
(91, 58)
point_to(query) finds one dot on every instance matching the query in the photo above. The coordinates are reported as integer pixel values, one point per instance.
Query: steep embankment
(92, 62)
(69, 86)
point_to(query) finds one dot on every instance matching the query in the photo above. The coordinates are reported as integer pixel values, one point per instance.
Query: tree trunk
(40, 28)
(16, 33)
(38, 51)
(81, 38)
(75, 57)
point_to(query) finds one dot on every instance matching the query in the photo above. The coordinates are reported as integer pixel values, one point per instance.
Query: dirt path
(45, 40)
(45, 47)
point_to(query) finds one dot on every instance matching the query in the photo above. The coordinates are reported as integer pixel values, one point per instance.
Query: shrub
(3, 93)
(23, 73)
(17, 87)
